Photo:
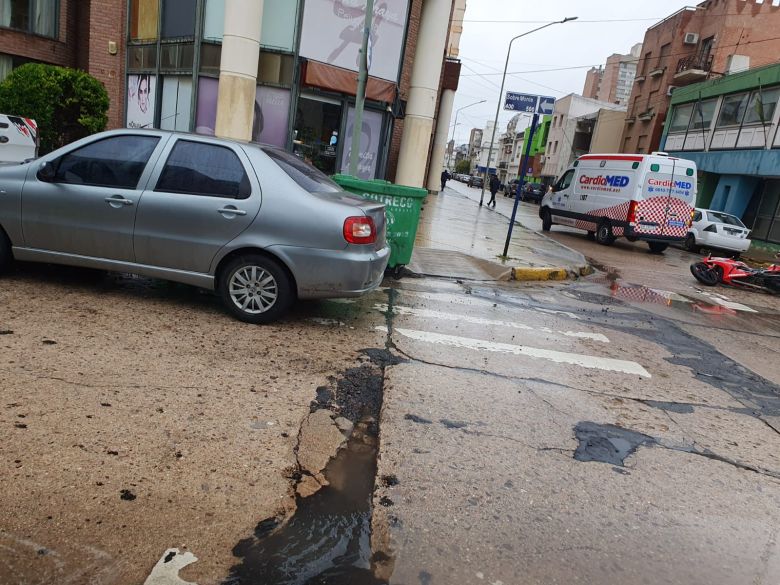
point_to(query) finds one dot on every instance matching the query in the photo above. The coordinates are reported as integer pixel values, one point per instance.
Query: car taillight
(690, 220)
(359, 230)
(632, 212)
(711, 228)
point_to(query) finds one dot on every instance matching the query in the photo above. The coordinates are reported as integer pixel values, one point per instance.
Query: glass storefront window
(732, 110)
(210, 56)
(144, 16)
(35, 16)
(702, 114)
(206, 115)
(272, 111)
(177, 57)
(178, 18)
(176, 103)
(761, 107)
(316, 133)
(275, 68)
(280, 18)
(142, 57)
(680, 118)
(369, 143)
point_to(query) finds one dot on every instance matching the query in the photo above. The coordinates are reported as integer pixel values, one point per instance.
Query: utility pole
(360, 96)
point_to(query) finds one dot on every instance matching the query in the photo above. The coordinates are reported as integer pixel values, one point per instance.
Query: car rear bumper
(335, 273)
(645, 237)
(723, 242)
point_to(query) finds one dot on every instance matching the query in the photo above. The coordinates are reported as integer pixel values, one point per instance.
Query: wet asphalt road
(618, 429)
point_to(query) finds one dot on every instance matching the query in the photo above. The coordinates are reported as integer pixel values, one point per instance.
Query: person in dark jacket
(494, 185)
(445, 176)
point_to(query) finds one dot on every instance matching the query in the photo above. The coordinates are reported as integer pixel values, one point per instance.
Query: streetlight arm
(501, 94)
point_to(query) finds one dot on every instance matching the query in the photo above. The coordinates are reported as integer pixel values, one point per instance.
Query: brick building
(713, 39)
(84, 34)
(613, 82)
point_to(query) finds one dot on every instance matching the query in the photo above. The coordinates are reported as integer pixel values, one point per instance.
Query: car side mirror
(46, 172)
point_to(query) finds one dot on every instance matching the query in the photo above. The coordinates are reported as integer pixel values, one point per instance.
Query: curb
(525, 273)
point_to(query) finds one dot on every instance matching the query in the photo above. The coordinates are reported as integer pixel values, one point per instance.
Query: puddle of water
(328, 539)
(607, 443)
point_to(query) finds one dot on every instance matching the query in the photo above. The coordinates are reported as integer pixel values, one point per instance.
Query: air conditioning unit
(691, 39)
(670, 90)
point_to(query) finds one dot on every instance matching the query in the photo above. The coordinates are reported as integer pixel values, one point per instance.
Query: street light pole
(501, 97)
(360, 95)
(456, 118)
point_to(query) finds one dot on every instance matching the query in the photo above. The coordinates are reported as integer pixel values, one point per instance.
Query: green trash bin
(402, 208)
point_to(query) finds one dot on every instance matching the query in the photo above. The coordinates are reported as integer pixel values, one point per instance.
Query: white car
(717, 229)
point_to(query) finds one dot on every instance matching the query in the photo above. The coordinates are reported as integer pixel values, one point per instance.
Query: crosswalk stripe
(561, 357)
(442, 316)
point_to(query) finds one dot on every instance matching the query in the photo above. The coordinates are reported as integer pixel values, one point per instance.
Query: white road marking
(560, 357)
(725, 302)
(429, 314)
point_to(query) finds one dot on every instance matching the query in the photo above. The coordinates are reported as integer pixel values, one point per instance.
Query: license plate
(675, 223)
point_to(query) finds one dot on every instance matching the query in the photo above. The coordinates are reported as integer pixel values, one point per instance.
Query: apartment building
(711, 40)
(613, 82)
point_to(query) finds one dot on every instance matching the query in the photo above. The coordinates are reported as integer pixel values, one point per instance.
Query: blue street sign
(546, 105)
(521, 102)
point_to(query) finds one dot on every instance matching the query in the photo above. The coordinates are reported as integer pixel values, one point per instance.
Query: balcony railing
(693, 68)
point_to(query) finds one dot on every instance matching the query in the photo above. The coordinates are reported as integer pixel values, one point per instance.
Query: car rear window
(309, 178)
(724, 218)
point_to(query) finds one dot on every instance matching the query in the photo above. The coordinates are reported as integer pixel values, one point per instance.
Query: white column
(440, 139)
(421, 106)
(238, 68)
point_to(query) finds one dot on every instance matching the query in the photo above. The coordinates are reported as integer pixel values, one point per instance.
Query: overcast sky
(580, 43)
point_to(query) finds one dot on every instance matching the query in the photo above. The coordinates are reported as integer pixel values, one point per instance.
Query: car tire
(546, 220)
(657, 247)
(249, 295)
(6, 255)
(690, 244)
(604, 233)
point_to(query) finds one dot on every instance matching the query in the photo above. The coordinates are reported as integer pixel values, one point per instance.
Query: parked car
(475, 181)
(532, 192)
(510, 187)
(719, 230)
(254, 223)
(646, 197)
(18, 139)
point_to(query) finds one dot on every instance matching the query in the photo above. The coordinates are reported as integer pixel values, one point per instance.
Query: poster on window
(272, 111)
(369, 144)
(206, 114)
(333, 32)
(140, 100)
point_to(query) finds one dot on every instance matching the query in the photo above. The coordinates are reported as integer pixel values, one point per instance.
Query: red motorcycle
(711, 271)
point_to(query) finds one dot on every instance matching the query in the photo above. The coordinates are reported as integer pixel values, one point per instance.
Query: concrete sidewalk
(457, 238)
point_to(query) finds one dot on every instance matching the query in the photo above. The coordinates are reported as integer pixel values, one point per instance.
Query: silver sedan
(252, 222)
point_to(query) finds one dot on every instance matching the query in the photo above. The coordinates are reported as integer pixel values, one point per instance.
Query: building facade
(730, 127)
(715, 38)
(613, 82)
(475, 148)
(571, 131)
(83, 34)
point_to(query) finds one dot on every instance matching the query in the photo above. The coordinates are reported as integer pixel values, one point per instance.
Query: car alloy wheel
(255, 288)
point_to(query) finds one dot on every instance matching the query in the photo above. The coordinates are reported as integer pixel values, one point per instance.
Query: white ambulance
(18, 139)
(648, 197)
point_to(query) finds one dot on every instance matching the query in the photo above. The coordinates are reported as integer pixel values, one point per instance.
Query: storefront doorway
(316, 134)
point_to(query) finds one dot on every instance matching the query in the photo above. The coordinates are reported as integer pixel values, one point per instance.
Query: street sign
(546, 105)
(521, 102)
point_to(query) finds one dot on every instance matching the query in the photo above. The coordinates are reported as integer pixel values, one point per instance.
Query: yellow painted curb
(523, 273)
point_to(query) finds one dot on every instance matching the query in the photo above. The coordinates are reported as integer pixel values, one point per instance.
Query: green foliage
(463, 167)
(67, 104)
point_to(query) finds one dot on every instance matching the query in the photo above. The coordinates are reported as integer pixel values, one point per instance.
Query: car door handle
(230, 210)
(117, 200)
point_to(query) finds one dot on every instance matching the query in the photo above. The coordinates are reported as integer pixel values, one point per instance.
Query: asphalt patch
(417, 419)
(607, 443)
(670, 406)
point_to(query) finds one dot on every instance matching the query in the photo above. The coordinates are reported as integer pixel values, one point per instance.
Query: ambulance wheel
(604, 234)
(546, 220)
(632, 238)
(657, 247)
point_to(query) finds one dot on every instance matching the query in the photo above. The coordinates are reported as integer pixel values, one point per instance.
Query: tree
(67, 104)
(463, 167)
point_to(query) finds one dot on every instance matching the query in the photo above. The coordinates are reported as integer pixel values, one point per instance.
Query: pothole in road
(607, 443)
(328, 540)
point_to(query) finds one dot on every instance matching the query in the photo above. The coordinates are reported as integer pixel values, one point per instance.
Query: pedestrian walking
(445, 176)
(494, 185)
